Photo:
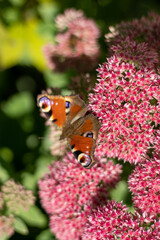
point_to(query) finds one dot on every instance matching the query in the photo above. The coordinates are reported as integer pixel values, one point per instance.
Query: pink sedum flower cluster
(76, 43)
(69, 192)
(139, 53)
(113, 221)
(146, 29)
(144, 184)
(70, 15)
(126, 101)
(70, 228)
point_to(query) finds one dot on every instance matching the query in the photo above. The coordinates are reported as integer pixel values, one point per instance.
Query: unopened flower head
(16, 197)
(6, 226)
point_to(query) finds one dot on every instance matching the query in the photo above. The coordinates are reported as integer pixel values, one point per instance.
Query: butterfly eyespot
(87, 134)
(45, 104)
(90, 135)
(84, 159)
(67, 105)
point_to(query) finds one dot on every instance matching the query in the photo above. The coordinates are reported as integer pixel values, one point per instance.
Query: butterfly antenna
(42, 137)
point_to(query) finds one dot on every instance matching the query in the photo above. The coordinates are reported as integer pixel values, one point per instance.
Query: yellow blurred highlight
(22, 43)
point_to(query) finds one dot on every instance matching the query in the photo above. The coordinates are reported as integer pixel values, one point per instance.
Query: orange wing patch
(58, 111)
(80, 143)
(87, 126)
(74, 110)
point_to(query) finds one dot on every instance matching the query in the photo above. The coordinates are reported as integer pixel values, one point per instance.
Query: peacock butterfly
(79, 127)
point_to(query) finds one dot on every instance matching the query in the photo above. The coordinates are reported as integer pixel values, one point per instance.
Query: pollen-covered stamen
(45, 104)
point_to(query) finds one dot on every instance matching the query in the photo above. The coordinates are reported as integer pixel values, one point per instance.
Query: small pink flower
(156, 152)
(144, 183)
(155, 228)
(68, 192)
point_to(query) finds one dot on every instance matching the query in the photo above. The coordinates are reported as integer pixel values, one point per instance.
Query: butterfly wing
(76, 109)
(53, 107)
(83, 148)
(84, 141)
(68, 113)
(61, 110)
(89, 126)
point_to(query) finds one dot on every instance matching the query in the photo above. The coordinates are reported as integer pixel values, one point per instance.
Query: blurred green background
(25, 27)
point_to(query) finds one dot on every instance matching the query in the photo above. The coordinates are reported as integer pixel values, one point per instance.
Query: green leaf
(20, 226)
(17, 2)
(4, 175)
(4, 237)
(30, 180)
(57, 80)
(6, 154)
(18, 105)
(33, 217)
(48, 11)
(131, 209)
(11, 15)
(120, 192)
(45, 235)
